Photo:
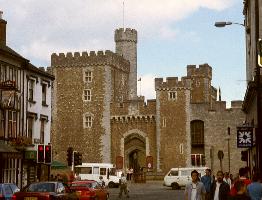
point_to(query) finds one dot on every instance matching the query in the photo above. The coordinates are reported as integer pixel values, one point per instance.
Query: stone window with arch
(197, 133)
(88, 120)
(87, 95)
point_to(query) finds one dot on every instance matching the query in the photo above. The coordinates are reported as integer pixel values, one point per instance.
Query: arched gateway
(135, 148)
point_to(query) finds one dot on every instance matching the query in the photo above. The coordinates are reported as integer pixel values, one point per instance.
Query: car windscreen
(41, 187)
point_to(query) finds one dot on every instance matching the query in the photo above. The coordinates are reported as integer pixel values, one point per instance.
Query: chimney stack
(2, 29)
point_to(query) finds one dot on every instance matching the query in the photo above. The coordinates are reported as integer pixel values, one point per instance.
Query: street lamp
(223, 24)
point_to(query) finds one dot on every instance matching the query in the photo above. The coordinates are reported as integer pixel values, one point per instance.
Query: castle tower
(126, 46)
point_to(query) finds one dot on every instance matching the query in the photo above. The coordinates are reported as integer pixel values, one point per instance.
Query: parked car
(45, 191)
(179, 177)
(7, 190)
(89, 189)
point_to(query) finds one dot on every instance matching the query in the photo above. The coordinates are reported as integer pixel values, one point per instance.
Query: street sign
(244, 137)
(220, 155)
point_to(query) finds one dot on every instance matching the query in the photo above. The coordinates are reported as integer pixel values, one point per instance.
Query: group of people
(224, 187)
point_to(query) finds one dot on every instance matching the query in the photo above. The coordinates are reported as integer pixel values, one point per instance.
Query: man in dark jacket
(220, 189)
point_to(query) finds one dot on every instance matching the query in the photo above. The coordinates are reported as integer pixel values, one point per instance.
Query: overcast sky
(171, 35)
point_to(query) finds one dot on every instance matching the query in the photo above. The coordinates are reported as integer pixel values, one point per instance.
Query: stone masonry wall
(215, 133)
(173, 128)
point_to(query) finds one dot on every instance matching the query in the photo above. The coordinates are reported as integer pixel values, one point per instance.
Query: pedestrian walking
(123, 186)
(243, 174)
(207, 181)
(241, 190)
(227, 179)
(254, 189)
(101, 181)
(195, 190)
(77, 177)
(220, 189)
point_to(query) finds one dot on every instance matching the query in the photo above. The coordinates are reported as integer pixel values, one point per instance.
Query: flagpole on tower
(123, 14)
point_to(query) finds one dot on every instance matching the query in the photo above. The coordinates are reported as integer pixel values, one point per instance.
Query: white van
(178, 177)
(92, 171)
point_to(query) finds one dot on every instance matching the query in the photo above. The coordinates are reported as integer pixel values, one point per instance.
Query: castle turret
(126, 46)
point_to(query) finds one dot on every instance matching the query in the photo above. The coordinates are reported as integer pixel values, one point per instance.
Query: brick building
(96, 111)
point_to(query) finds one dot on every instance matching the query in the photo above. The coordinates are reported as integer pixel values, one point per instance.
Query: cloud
(38, 28)
(146, 86)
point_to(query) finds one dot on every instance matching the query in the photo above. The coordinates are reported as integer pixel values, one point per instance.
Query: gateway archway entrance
(135, 152)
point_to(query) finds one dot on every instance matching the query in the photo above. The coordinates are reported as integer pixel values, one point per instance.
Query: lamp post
(223, 24)
(258, 88)
(228, 147)
(258, 130)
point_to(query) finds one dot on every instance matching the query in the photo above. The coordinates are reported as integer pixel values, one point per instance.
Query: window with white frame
(88, 76)
(88, 121)
(198, 160)
(44, 88)
(42, 132)
(31, 84)
(11, 123)
(30, 124)
(172, 95)
(87, 95)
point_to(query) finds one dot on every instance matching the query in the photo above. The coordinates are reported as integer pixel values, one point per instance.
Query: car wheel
(111, 184)
(175, 186)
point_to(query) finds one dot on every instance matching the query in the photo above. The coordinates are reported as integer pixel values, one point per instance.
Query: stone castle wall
(216, 123)
(110, 73)
(123, 122)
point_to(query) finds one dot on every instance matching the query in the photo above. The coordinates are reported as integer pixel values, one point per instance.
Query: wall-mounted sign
(7, 85)
(244, 137)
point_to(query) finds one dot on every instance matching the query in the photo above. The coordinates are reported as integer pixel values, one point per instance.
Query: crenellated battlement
(93, 58)
(134, 118)
(127, 34)
(172, 83)
(203, 70)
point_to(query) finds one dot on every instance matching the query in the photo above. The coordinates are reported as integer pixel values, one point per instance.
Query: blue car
(7, 190)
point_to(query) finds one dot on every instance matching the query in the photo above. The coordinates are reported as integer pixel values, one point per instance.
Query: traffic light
(244, 156)
(48, 154)
(69, 156)
(40, 153)
(77, 158)
(80, 159)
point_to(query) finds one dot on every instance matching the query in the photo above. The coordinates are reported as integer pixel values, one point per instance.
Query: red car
(45, 191)
(89, 190)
